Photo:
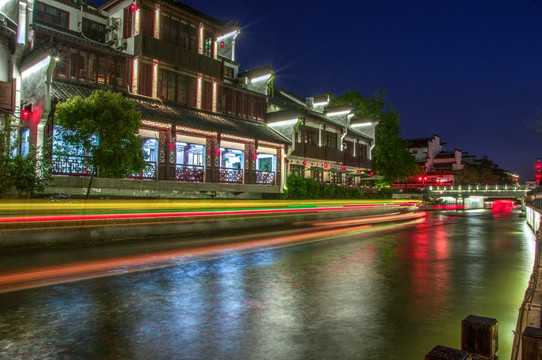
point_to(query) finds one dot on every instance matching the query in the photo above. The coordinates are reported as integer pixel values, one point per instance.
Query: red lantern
(132, 7)
(342, 167)
(304, 162)
(255, 156)
(218, 151)
(26, 114)
(222, 44)
(325, 165)
(172, 145)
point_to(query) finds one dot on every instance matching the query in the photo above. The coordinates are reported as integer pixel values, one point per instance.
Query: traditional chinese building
(203, 123)
(328, 143)
(438, 165)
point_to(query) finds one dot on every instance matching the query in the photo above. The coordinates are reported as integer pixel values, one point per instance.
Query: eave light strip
(36, 67)
(284, 122)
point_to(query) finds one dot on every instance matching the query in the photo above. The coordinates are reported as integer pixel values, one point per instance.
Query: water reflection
(393, 294)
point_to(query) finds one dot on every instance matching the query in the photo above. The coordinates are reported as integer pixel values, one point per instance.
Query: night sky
(469, 71)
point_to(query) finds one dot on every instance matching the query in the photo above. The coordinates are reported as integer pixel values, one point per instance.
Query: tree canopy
(485, 172)
(365, 107)
(26, 173)
(104, 127)
(391, 158)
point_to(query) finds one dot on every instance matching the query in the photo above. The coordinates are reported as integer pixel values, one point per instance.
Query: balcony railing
(228, 175)
(70, 165)
(149, 173)
(75, 166)
(260, 177)
(330, 154)
(190, 173)
(357, 161)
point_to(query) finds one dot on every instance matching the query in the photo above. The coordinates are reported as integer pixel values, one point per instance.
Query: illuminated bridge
(475, 195)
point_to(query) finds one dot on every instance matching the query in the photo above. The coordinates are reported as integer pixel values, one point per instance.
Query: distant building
(438, 165)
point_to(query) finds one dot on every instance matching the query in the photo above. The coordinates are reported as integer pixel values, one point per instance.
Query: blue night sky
(467, 70)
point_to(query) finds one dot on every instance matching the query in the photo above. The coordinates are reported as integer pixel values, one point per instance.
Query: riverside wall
(61, 232)
(527, 337)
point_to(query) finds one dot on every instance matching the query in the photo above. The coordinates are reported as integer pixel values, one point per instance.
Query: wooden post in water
(479, 336)
(531, 343)
(440, 352)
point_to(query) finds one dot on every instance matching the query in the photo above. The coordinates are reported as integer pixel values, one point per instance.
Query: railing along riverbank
(528, 334)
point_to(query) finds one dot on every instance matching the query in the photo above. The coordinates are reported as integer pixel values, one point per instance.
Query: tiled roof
(252, 73)
(37, 54)
(154, 109)
(419, 143)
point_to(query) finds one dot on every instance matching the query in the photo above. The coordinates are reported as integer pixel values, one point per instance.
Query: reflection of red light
(26, 114)
(448, 207)
(502, 206)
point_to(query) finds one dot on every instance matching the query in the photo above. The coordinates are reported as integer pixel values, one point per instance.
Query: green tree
(365, 107)
(483, 173)
(29, 173)
(391, 158)
(105, 128)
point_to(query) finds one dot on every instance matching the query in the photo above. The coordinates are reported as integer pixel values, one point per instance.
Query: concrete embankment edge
(81, 232)
(530, 314)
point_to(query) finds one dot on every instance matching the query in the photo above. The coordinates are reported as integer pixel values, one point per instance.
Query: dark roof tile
(154, 109)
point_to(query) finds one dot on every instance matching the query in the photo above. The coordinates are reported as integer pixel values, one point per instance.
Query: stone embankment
(46, 224)
(528, 335)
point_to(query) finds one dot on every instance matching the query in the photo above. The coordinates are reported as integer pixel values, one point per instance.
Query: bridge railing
(478, 188)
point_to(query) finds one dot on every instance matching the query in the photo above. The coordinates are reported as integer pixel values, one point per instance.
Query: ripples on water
(394, 295)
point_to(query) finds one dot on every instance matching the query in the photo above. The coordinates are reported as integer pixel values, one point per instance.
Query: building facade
(203, 123)
(328, 143)
(438, 166)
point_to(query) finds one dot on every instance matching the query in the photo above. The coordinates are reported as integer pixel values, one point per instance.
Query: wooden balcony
(328, 154)
(317, 152)
(177, 56)
(357, 161)
(7, 95)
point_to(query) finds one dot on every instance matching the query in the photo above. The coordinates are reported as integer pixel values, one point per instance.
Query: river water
(390, 294)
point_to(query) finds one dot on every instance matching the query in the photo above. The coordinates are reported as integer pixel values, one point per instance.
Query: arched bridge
(474, 195)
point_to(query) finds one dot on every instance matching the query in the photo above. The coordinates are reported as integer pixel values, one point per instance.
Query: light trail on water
(80, 270)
